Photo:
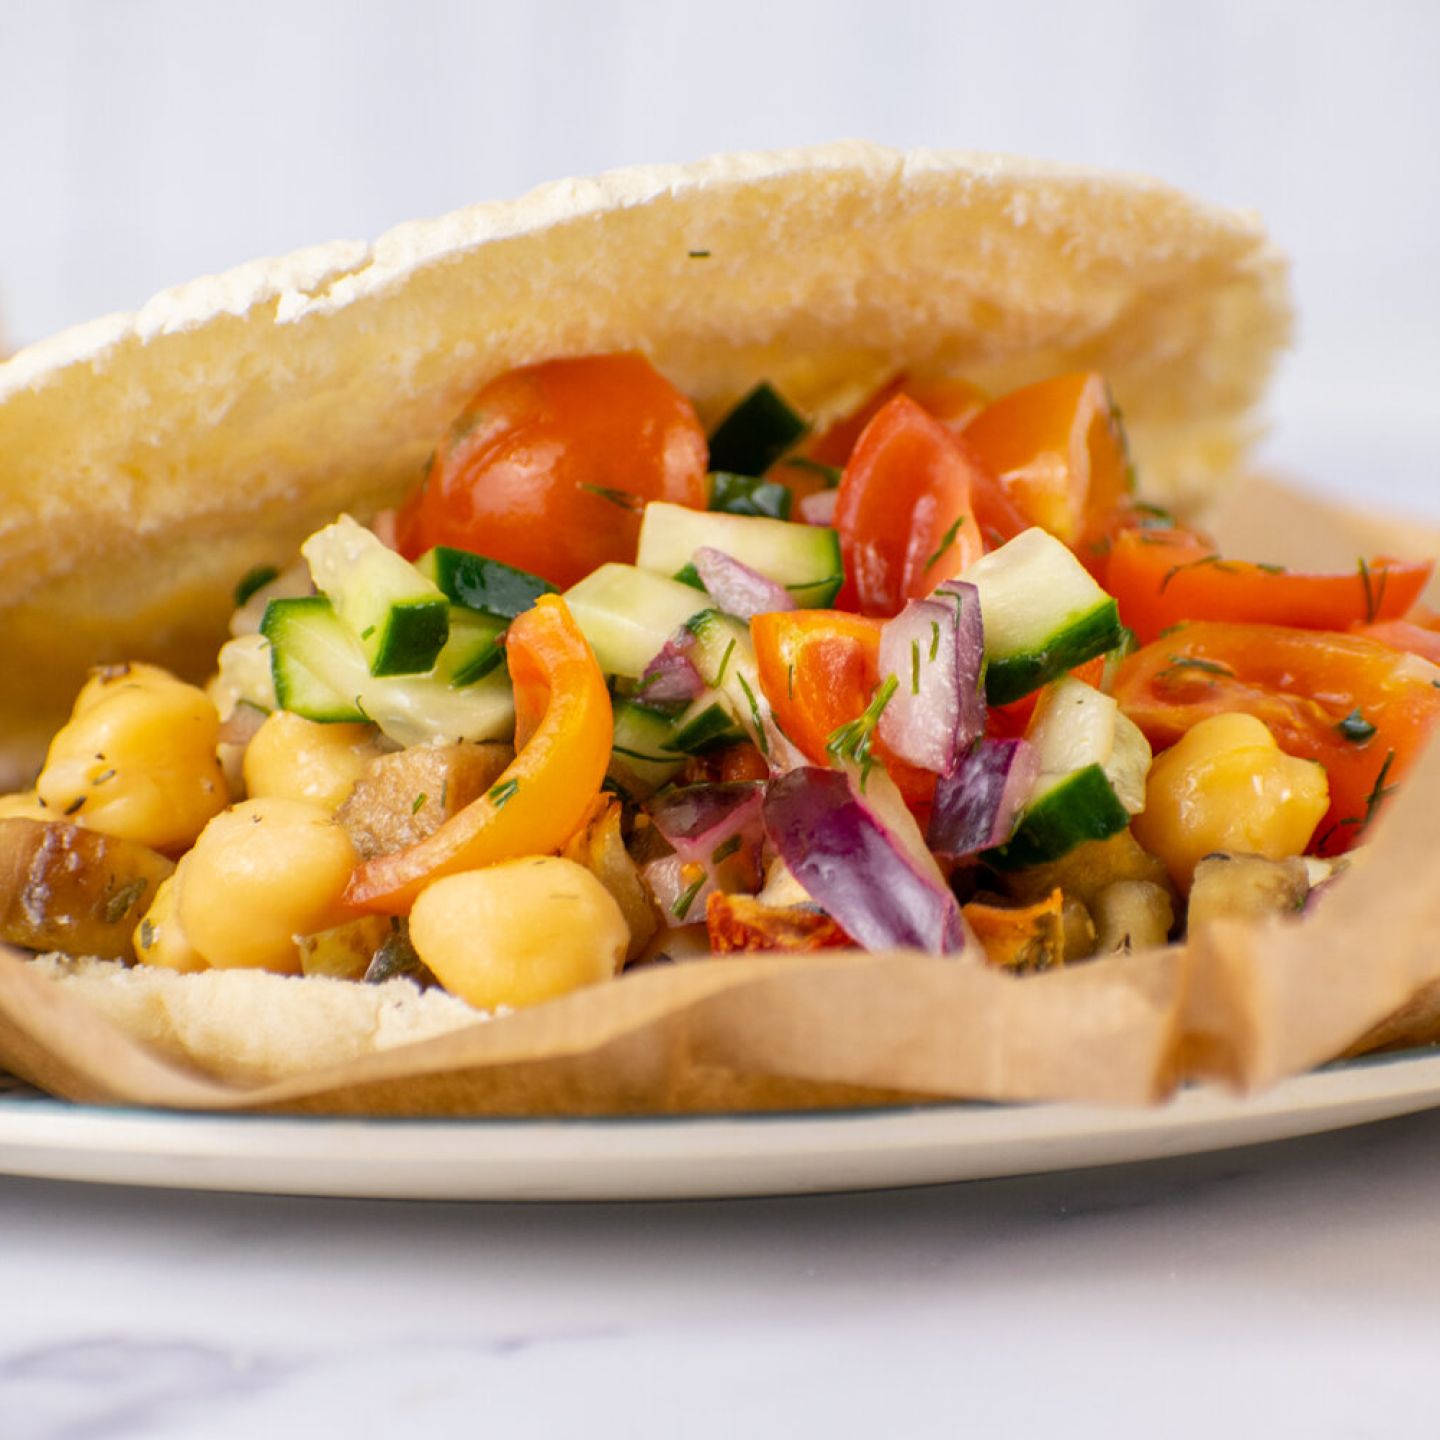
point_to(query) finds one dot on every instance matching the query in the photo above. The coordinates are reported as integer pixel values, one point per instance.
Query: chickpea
(259, 875)
(299, 759)
(519, 932)
(24, 805)
(136, 759)
(160, 939)
(1226, 785)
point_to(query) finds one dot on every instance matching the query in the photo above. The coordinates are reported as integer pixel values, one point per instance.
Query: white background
(143, 142)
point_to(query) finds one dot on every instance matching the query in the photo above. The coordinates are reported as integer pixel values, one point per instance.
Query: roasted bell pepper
(563, 734)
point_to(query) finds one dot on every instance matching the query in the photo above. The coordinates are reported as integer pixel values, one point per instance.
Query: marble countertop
(1280, 1290)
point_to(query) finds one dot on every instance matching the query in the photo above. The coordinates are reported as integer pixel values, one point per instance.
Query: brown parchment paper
(1243, 1005)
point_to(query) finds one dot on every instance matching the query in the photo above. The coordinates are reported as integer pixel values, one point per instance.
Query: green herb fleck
(790, 681)
(418, 803)
(147, 933)
(946, 541)
(74, 805)
(252, 580)
(119, 905)
(726, 850)
(698, 254)
(367, 632)
(686, 898)
(724, 666)
(1374, 595)
(1174, 570)
(830, 474)
(103, 776)
(1181, 663)
(914, 667)
(500, 795)
(851, 742)
(1355, 727)
(1271, 569)
(935, 632)
(761, 741)
(622, 498)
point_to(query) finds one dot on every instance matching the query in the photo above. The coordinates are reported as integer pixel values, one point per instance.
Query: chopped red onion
(698, 820)
(854, 869)
(241, 725)
(671, 677)
(819, 508)
(736, 588)
(976, 807)
(935, 649)
(680, 888)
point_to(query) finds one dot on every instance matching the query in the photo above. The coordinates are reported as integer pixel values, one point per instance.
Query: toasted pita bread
(148, 460)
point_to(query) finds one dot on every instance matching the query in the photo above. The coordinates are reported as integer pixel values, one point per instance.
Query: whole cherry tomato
(549, 466)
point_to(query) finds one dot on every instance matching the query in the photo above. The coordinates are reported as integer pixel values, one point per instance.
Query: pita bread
(148, 460)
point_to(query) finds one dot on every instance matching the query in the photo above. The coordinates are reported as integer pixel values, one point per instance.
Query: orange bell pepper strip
(563, 733)
(1059, 449)
(1162, 577)
(819, 669)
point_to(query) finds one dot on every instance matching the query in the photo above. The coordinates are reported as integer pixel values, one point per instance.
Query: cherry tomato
(1407, 635)
(1059, 449)
(904, 510)
(819, 669)
(953, 402)
(1362, 710)
(1163, 577)
(549, 467)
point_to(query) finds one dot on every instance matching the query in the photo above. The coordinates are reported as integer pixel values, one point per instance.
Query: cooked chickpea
(299, 759)
(137, 759)
(24, 805)
(519, 932)
(259, 875)
(1226, 785)
(159, 938)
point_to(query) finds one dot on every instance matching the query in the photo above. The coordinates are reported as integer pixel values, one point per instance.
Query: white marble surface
(1277, 1291)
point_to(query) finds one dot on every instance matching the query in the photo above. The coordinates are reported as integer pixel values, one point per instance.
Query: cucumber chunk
(640, 761)
(400, 618)
(627, 614)
(749, 495)
(805, 559)
(481, 584)
(1043, 614)
(320, 672)
(756, 433)
(1093, 764)
(705, 725)
(473, 649)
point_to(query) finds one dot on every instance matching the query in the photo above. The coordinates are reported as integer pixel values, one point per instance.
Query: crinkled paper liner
(1240, 1004)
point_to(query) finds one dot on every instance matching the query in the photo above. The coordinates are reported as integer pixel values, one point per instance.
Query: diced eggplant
(1246, 887)
(344, 952)
(407, 796)
(1132, 915)
(66, 888)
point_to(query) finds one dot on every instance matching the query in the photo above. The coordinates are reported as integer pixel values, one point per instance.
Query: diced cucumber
(1093, 764)
(705, 725)
(725, 657)
(756, 433)
(481, 584)
(805, 559)
(639, 761)
(1043, 614)
(320, 672)
(749, 495)
(473, 649)
(627, 614)
(400, 618)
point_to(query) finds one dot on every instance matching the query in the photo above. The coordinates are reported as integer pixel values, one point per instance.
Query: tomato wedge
(819, 669)
(549, 466)
(904, 512)
(563, 734)
(1163, 577)
(1362, 710)
(1059, 449)
(1407, 635)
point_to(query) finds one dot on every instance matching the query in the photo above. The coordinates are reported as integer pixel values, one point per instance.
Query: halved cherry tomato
(1362, 710)
(819, 670)
(563, 733)
(1104, 531)
(548, 467)
(1407, 635)
(904, 513)
(1163, 577)
(1059, 450)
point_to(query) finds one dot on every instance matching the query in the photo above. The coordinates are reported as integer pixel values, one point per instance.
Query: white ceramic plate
(679, 1157)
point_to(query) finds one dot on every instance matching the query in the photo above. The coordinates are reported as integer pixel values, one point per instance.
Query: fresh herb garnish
(1355, 727)
(500, 795)
(698, 254)
(119, 904)
(686, 898)
(724, 666)
(1181, 663)
(935, 631)
(726, 850)
(1374, 595)
(1212, 560)
(914, 667)
(623, 498)
(946, 541)
(851, 742)
(418, 803)
(147, 933)
(761, 740)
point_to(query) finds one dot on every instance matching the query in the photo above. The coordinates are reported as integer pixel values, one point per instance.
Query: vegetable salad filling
(605, 692)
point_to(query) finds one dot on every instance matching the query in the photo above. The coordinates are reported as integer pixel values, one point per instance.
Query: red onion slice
(852, 867)
(736, 588)
(819, 508)
(698, 820)
(976, 807)
(935, 649)
(671, 677)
